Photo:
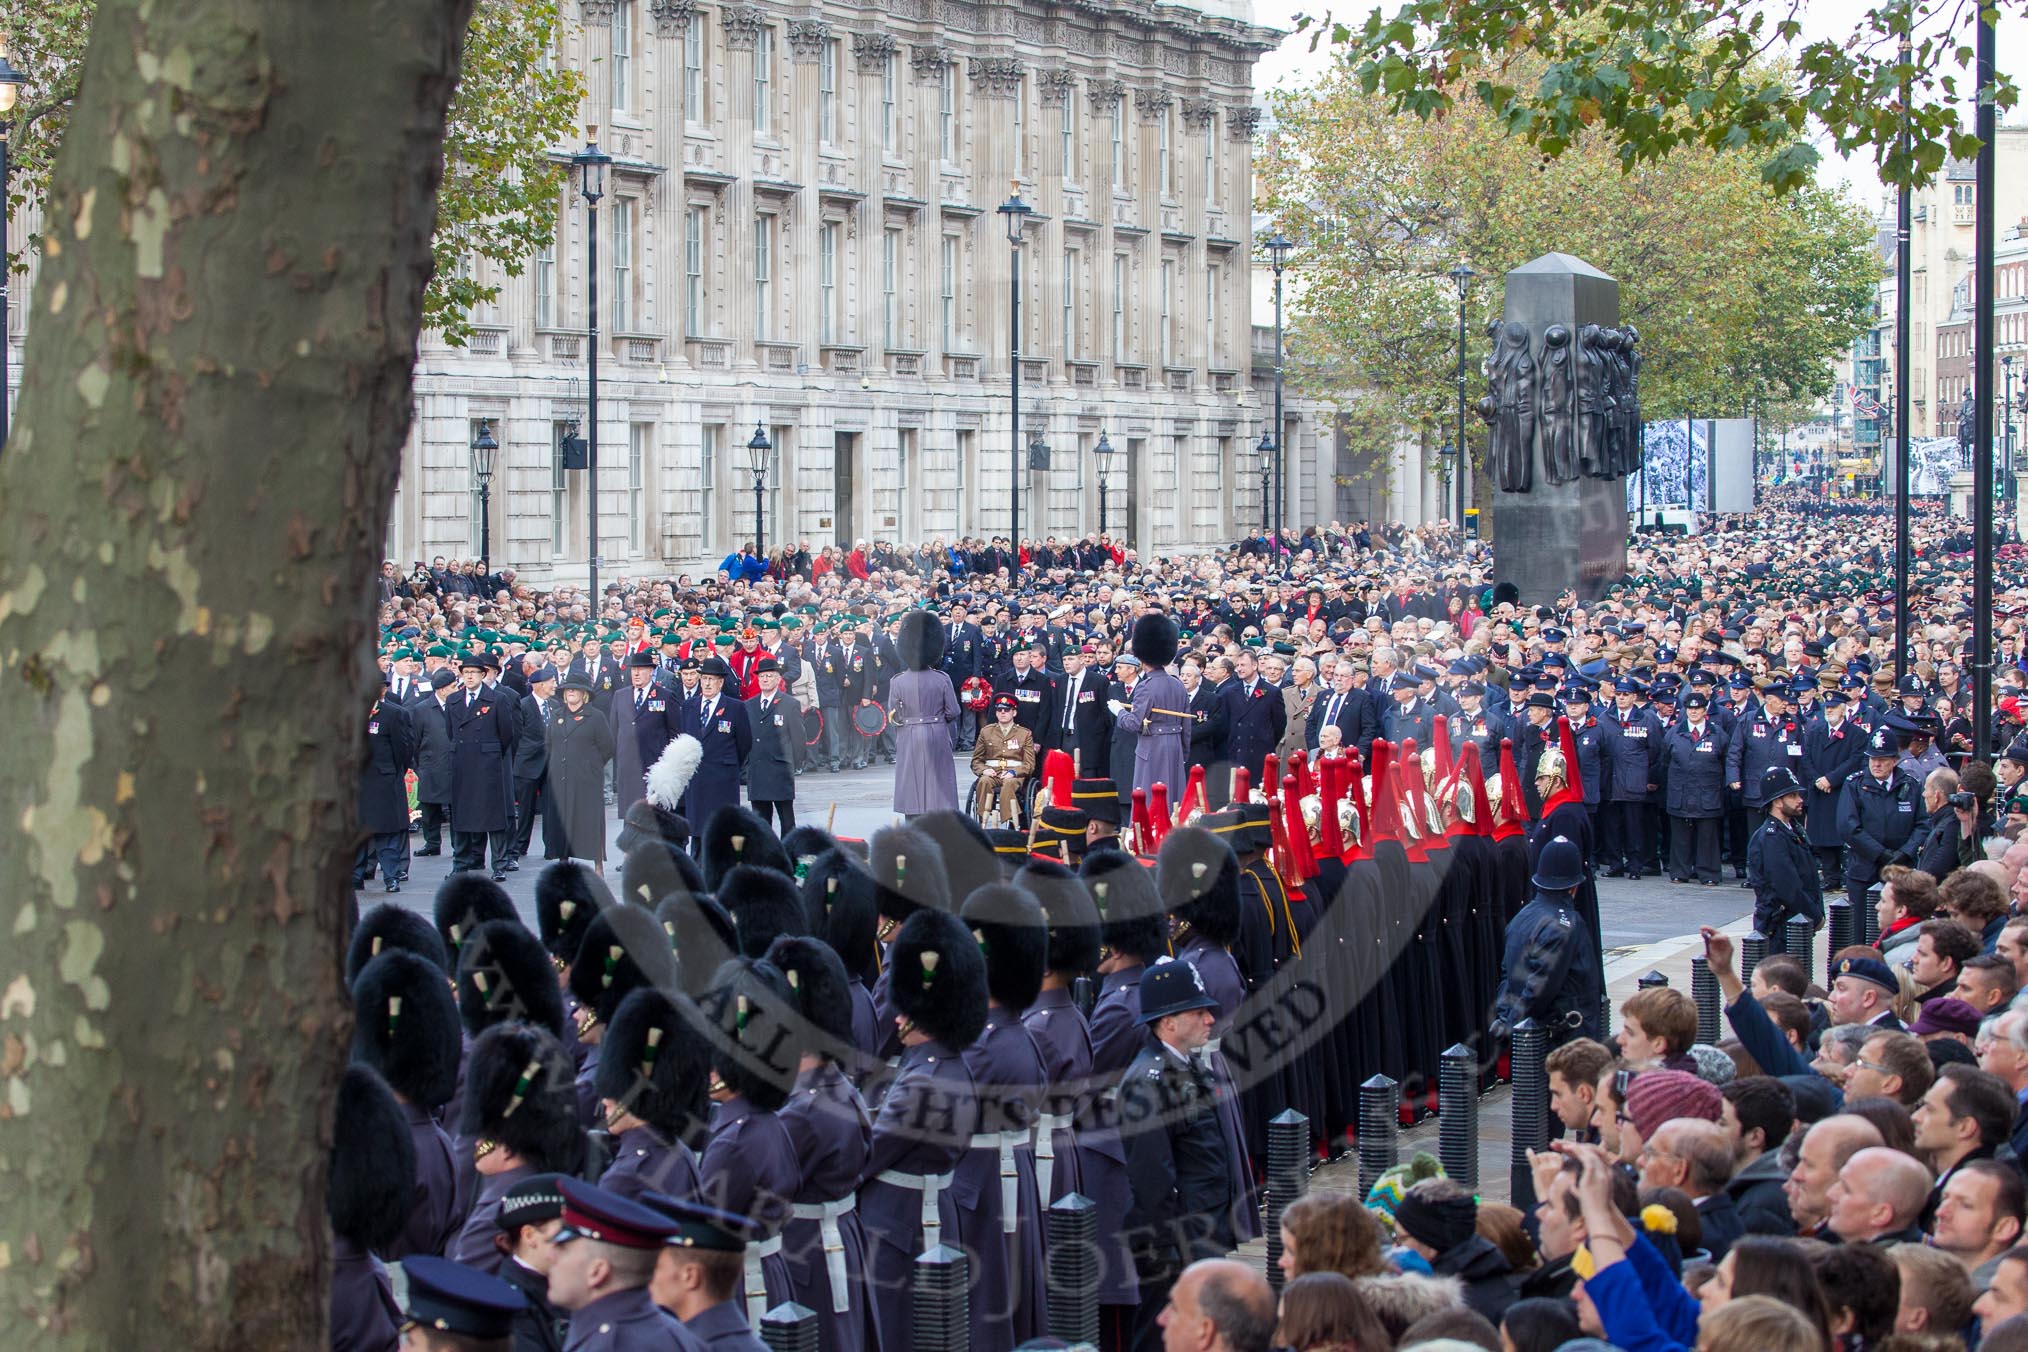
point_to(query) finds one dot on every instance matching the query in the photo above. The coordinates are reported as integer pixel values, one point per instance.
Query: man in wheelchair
(1004, 759)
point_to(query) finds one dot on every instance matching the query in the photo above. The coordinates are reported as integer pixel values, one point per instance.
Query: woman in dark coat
(580, 744)
(923, 708)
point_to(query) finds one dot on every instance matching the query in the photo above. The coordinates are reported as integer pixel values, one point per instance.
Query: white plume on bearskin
(670, 778)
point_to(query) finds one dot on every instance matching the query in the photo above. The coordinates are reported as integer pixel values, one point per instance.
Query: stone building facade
(800, 233)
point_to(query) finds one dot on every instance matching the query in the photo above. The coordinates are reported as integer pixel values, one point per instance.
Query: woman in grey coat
(923, 710)
(580, 744)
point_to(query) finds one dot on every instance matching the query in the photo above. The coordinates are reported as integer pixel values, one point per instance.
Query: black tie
(1070, 704)
(640, 698)
(1331, 715)
(468, 699)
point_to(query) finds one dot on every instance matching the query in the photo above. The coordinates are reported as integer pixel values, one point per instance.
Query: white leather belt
(1046, 1127)
(1010, 1177)
(756, 1283)
(929, 1185)
(826, 1215)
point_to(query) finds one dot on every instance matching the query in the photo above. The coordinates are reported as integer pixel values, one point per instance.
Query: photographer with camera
(1958, 823)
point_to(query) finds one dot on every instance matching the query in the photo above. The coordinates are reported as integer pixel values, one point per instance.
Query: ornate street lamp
(591, 163)
(757, 448)
(1461, 277)
(1278, 250)
(11, 81)
(1267, 464)
(1103, 454)
(484, 450)
(1017, 213)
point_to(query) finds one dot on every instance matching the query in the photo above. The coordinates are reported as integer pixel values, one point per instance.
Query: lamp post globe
(1267, 460)
(1103, 454)
(757, 448)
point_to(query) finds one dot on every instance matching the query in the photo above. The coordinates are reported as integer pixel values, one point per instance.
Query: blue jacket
(1783, 871)
(1642, 1306)
(1591, 759)
(1696, 770)
(1831, 757)
(1550, 970)
(1760, 743)
(1632, 750)
(1877, 822)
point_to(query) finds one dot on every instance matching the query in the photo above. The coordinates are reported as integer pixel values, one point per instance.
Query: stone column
(671, 22)
(740, 27)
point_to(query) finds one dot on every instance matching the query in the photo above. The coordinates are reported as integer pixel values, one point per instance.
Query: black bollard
(940, 1306)
(1751, 950)
(1288, 1177)
(1704, 990)
(1073, 1274)
(1530, 1112)
(1800, 942)
(1869, 919)
(1084, 994)
(1379, 1122)
(1652, 980)
(1458, 1114)
(789, 1327)
(1838, 914)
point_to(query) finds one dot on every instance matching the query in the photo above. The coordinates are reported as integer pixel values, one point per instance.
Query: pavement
(1650, 925)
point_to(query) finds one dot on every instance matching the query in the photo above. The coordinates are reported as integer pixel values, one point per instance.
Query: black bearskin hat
(758, 1044)
(521, 1093)
(763, 905)
(1154, 640)
(937, 978)
(823, 991)
(838, 899)
(1199, 879)
(624, 950)
(647, 824)
(803, 844)
(567, 896)
(734, 835)
(1066, 907)
(372, 1183)
(920, 643)
(969, 860)
(388, 926)
(1131, 919)
(1014, 940)
(466, 901)
(405, 1026)
(650, 873)
(908, 872)
(505, 974)
(653, 1063)
(700, 934)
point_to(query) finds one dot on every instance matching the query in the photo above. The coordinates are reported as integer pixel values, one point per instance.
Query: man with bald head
(1696, 1157)
(1217, 1305)
(1826, 1150)
(1879, 1198)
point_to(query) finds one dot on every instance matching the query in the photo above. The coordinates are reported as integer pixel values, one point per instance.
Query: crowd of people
(1290, 815)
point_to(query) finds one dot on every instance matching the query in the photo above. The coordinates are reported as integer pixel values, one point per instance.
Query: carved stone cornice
(1198, 114)
(596, 13)
(807, 38)
(1105, 95)
(1152, 103)
(743, 24)
(1241, 120)
(997, 77)
(1056, 85)
(926, 60)
(671, 17)
(872, 50)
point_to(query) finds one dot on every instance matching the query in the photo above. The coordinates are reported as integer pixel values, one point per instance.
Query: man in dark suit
(1207, 715)
(404, 686)
(383, 794)
(645, 720)
(598, 669)
(720, 724)
(1412, 716)
(1255, 715)
(964, 657)
(482, 754)
(1083, 725)
(531, 768)
(1346, 709)
(1035, 706)
(777, 724)
(433, 757)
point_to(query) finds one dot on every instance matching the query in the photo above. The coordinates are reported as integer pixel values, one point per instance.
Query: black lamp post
(1103, 453)
(757, 448)
(484, 450)
(1267, 465)
(1017, 213)
(1461, 277)
(2008, 488)
(11, 81)
(1278, 258)
(592, 162)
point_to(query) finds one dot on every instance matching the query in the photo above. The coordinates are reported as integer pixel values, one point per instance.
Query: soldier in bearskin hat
(764, 904)
(465, 901)
(749, 1165)
(831, 1132)
(567, 896)
(923, 709)
(908, 876)
(967, 851)
(700, 934)
(649, 874)
(505, 974)
(1062, 1036)
(405, 1027)
(1160, 714)
(388, 926)
(938, 986)
(650, 1082)
(623, 950)
(368, 1199)
(734, 836)
(840, 904)
(1000, 1216)
(521, 1116)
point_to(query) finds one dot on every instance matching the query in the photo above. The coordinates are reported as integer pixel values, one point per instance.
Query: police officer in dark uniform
(1632, 749)
(526, 1213)
(1779, 862)
(609, 1250)
(452, 1308)
(697, 1273)
(1694, 754)
(1551, 972)
(1878, 812)
(1765, 736)
(1176, 1154)
(383, 794)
